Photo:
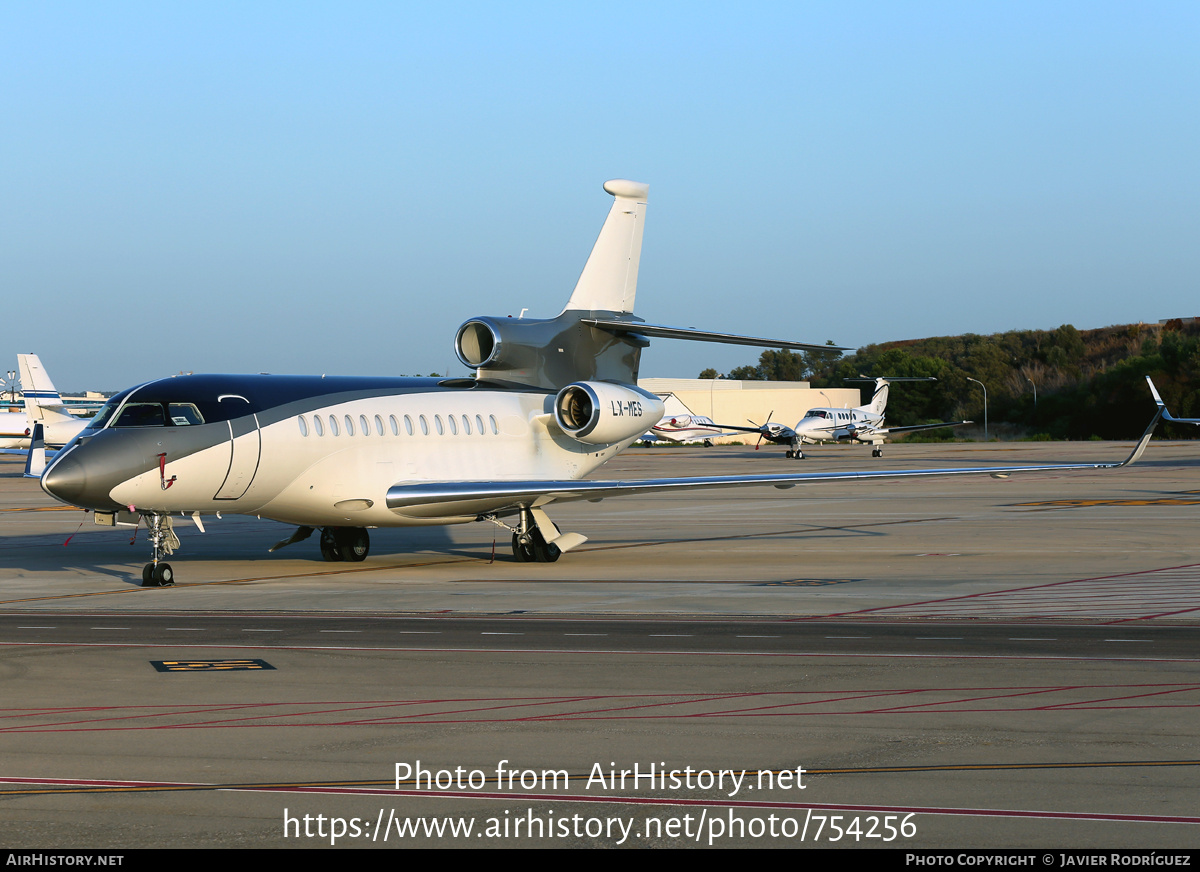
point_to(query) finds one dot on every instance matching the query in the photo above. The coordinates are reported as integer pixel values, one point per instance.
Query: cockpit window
(183, 414)
(100, 419)
(141, 415)
(816, 413)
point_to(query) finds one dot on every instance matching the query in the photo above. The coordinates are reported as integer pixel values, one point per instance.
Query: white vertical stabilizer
(609, 279)
(36, 386)
(879, 400)
(43, 406)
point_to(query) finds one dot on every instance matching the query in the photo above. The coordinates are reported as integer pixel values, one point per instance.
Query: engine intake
(598, 413)
(477, 344)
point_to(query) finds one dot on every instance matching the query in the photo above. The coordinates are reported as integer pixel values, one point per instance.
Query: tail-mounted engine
(547, 353)
(598, 413)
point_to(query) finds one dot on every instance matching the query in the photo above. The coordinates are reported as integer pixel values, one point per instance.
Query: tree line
(1061, 384)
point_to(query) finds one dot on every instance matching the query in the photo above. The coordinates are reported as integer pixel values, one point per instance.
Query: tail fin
(879, 398)
(39, 391)
(609, 278)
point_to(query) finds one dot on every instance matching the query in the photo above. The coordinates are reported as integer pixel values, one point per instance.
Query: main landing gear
(529, 543)
(533, 548)
(163, 543)
(345, 543)
(877, 452)
(794, 453)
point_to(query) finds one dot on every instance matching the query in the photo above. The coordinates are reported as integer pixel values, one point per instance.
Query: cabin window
(333, 427)
(466, 425)
(479, 425)
(424, 426)
(495, 428)
(318, 426)
(453, 425)
(437, 422)
(379, 425)
(303, 426)
(364, 426)
(407, 424)
(395, 429)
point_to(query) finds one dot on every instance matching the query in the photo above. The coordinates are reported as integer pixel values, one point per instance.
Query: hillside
(1088, 383)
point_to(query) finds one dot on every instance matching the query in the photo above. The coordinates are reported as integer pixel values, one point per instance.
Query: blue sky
(321, 187)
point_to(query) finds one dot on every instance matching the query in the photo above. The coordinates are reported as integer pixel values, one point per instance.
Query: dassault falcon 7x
(552, 399)
(862, 424)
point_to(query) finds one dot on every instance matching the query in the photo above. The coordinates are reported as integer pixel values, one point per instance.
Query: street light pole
(985, 423)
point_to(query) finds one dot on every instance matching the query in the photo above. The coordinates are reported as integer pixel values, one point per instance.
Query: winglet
(1143, 442)
(1159, 415)
(35, 461)
(1162, 407)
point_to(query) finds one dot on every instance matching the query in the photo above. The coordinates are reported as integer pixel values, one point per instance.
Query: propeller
(762, 429)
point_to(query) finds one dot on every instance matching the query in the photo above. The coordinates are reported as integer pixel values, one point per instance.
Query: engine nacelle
(547, 353)
(478, 343)
(599, 413)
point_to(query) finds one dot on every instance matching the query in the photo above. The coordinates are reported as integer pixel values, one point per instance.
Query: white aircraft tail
(609, 278)
(878, 399)
(40, 393)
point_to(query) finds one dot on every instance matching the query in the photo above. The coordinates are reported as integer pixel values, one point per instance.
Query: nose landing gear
(163, 543)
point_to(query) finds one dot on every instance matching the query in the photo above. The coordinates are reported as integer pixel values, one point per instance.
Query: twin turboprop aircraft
(551, 400)
(863, 424)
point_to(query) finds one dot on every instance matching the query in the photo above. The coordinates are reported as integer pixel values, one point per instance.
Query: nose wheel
(158, 575)
(163, 542)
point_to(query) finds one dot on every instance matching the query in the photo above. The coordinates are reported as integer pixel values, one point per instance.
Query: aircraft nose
(66, 481)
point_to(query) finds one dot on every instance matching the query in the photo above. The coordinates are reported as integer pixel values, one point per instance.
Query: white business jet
(551, 400)
(681, 425)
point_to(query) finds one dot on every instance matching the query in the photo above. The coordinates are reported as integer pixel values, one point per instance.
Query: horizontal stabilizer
(663, 332)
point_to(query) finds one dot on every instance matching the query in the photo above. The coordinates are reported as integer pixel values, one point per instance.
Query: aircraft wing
(781, 433)
(466, 498)
(913, 428)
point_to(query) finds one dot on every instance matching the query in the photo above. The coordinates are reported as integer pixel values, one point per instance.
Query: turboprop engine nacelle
(599, 413)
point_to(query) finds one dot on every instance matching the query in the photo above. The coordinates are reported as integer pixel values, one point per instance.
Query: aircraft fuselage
(316, 451)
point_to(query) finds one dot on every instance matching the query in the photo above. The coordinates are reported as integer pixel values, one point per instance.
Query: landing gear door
(245, 449)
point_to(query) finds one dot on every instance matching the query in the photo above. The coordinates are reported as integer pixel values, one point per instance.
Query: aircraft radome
(552, 399)
(862, 424)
